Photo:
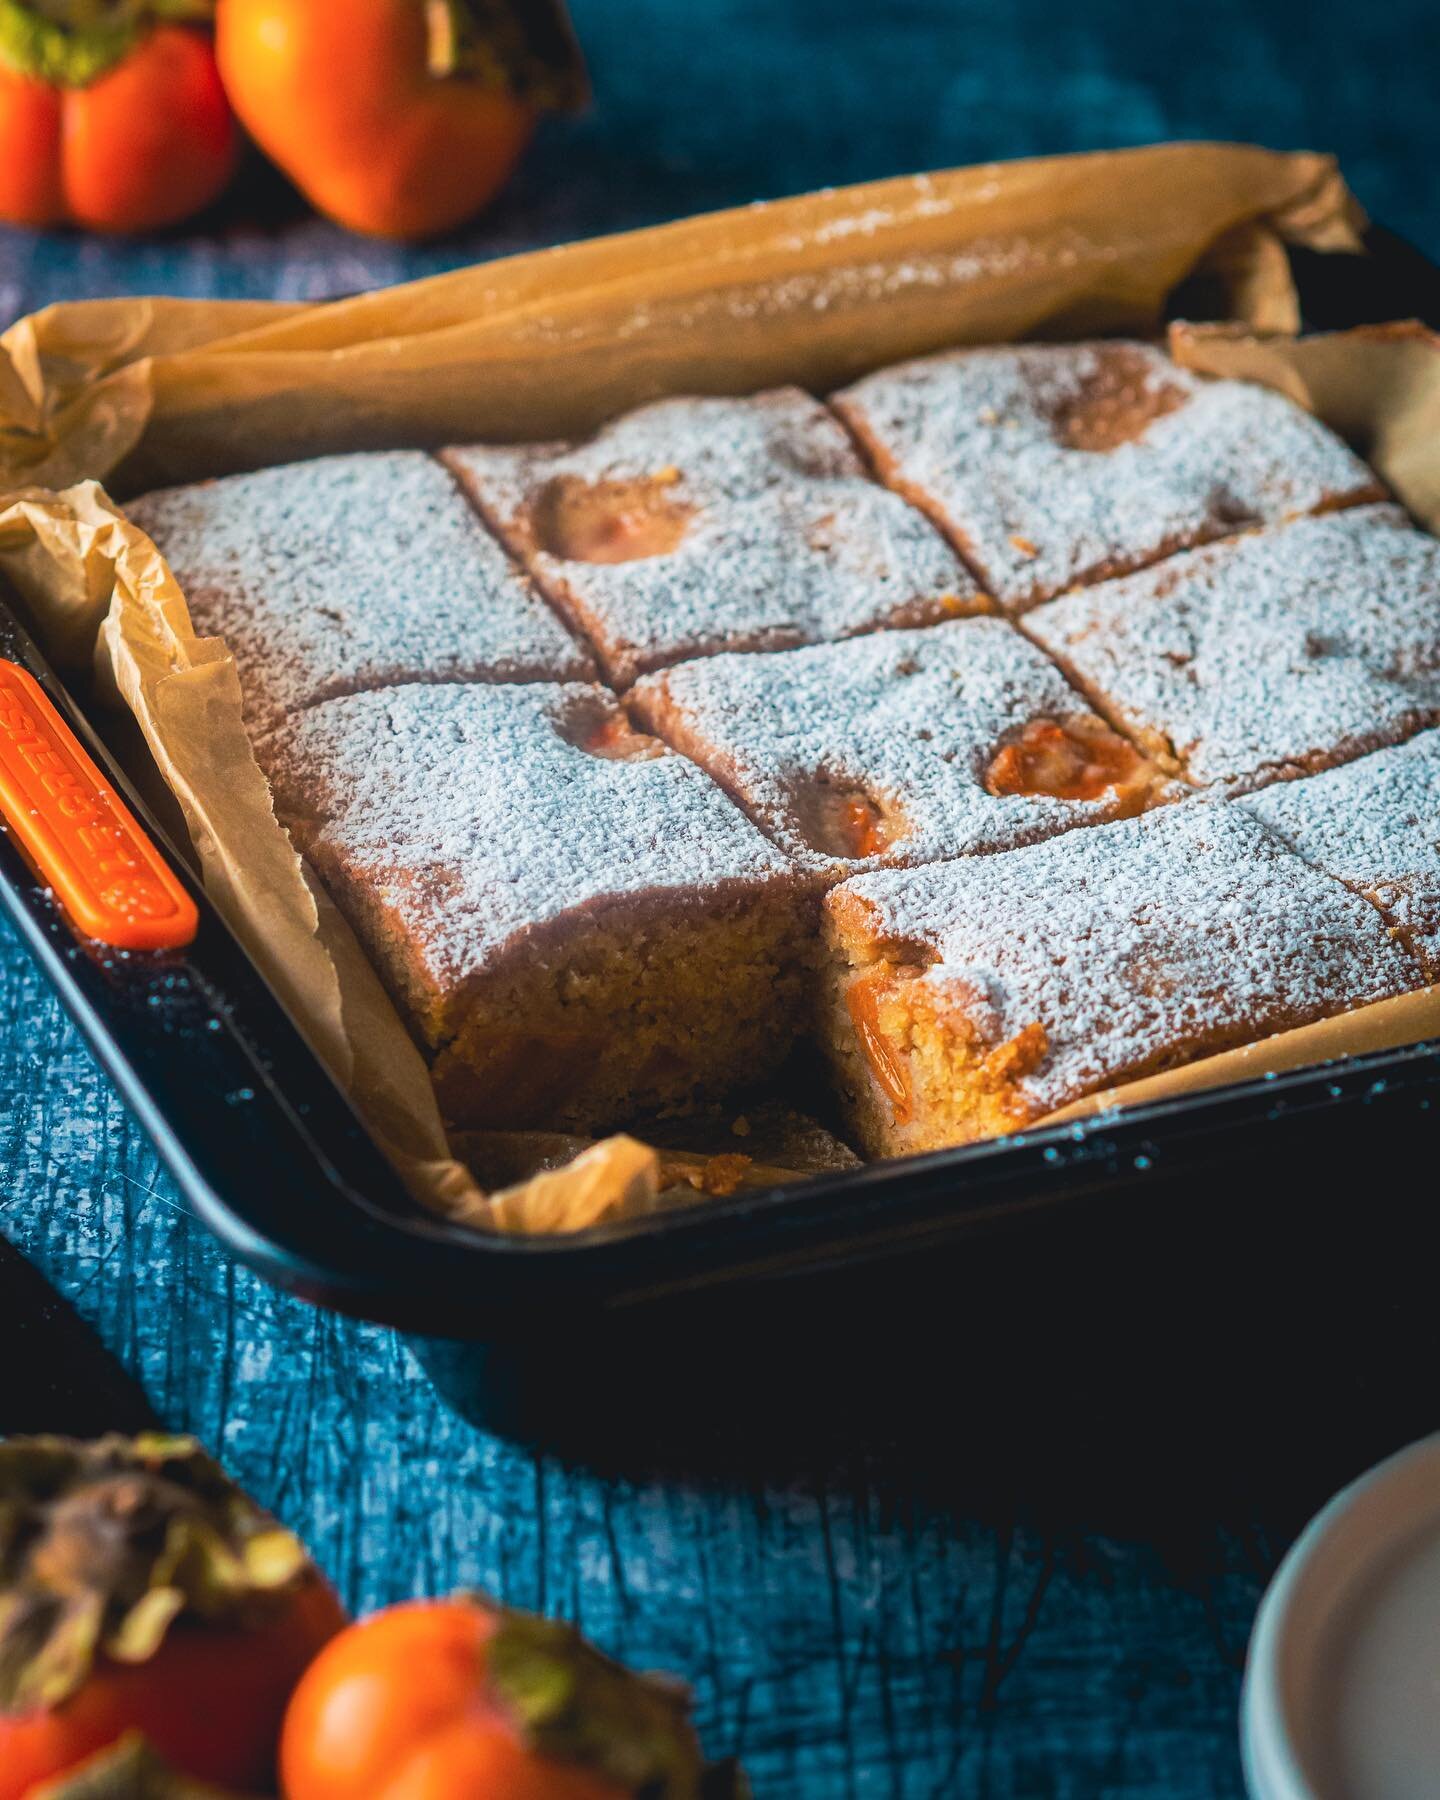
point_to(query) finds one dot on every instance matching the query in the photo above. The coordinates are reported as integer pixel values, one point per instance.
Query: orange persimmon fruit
(464, 1700)
(371, 109)
(142, 1593)
(122, 127)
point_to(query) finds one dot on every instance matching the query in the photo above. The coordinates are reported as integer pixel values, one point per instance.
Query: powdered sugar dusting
(471, 813)
(789, 542)
(1137, 945)
(972, 435)
(866, 283)
(918, 201)
(1271, 656)
(910, 719)
(1375, 824)
(350, 572)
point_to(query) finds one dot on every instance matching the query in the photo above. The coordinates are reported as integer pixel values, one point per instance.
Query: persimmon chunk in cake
(1272, 656)
(902, 746)
(1375, 825)
(972, 997)
(1052, 464)
(577, 923)
(698, 525)
(352, 572)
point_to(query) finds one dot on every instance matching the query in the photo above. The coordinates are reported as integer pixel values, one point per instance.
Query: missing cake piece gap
(629, 1015)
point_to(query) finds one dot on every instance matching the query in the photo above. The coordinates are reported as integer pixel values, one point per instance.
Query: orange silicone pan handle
(84, 840)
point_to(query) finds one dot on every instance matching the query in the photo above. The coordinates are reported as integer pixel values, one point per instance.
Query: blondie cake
(699, 525)
(1374, 824)
(577, 923)
(1049, 465)
(352, 572)
(900, 747)
(1274, 655)
(1074, 833)
(971, 997)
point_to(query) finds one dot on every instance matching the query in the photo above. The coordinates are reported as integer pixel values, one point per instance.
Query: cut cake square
(900, 747)
(577, 923)
(972, 997)
(1271, 656)
(352, 572)
(1375, 825)
(1053, 464)
(699, 525)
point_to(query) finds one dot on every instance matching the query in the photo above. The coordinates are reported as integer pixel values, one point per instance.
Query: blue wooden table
(849, 1631)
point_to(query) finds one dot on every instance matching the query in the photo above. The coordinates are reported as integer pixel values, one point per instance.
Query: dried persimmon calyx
(530, 49)
(569, 1701)
(104, 1545)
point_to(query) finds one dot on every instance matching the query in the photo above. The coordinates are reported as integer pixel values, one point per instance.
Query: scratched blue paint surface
(847, 1634)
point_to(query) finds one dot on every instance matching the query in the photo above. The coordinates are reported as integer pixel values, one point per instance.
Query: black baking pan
(825, 1276)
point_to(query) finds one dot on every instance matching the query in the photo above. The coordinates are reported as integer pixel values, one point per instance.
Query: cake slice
(697, 525)
(1274, 655)
(352, 572)
(1375, 825)
(900, 747)
(972, 997)
(1053, 464)
(577, 924)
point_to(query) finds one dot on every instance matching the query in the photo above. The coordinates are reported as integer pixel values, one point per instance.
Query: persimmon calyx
(104, 1545)
(570, 1702)
(70, 43)
(529, 51)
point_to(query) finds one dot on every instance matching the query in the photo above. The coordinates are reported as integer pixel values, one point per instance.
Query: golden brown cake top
(1374, 824)
(698, 525)
(1056, 464)
(902, 746)
(1271, 656)
(488, 818)
(1128, 948)
(351, 572)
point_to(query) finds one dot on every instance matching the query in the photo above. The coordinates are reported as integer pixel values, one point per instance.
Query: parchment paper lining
(816, 290)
